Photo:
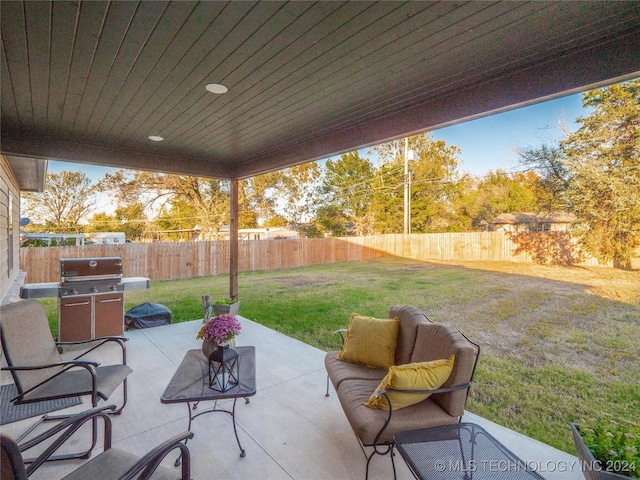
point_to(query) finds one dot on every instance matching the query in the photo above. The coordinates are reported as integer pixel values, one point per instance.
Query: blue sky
(487, 143)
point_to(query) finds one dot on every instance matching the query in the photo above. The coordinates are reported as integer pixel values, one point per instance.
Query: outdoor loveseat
(422, 369)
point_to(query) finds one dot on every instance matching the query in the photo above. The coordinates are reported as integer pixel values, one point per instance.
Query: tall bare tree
(204, 201)
(69, 197)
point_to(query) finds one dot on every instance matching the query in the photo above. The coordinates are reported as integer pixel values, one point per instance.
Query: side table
(459, 451)
(190, 384)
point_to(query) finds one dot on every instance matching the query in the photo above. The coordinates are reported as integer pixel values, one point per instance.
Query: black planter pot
(592, 469)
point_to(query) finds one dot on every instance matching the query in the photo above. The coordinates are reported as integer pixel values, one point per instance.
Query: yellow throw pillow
(370, 341)
(411, 376)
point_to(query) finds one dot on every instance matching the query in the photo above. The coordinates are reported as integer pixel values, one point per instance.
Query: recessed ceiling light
(217, 88)
(156, 138)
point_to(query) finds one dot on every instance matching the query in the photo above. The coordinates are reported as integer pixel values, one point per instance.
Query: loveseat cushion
(370, 341)
(410, 317)
(411, 376)
(367, 422)
(339, 370)
(435, 341)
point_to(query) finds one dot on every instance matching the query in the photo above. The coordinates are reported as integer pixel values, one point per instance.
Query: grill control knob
(94, 289)
(114, 288)
(74, 291)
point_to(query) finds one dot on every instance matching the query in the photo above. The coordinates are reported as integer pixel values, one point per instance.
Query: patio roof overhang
(89, 82)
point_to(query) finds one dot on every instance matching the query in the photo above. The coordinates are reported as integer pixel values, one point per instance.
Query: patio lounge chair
(418, 377)
(112, 463)
(40, 373)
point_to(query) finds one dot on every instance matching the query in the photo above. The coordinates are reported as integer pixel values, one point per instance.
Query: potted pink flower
(220, 330)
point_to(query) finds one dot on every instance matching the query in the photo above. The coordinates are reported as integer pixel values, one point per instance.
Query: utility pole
(408, 155)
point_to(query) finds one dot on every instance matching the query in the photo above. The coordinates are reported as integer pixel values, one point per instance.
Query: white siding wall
(9, 228)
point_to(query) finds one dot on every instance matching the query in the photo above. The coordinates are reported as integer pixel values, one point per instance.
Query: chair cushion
(113, 464)
(435, 341)
(370, 341)
(366, 422)
(411, 376)
(78, 382)
(410, 317)
(28, 341)
(339, 370)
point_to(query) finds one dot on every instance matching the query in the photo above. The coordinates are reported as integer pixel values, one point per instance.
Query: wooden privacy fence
(177, 260)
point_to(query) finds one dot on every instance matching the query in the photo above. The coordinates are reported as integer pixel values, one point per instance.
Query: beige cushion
(370, 341)
(409, 317)
(411, 376)
(435, 341)
(339, 370)
(28, 341)
(367, 422)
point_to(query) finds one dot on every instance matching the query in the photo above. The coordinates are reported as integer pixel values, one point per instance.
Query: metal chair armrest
(65, 363)
(384, 392)
(150, 462)
(341, 332)
(68, 427)
(89, 365)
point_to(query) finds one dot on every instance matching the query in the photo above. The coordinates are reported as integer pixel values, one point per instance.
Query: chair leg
(327, 394)
(124, 398)
(393, 463)
(375, 451)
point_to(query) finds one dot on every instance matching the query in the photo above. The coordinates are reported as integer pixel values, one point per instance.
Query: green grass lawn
(559, 344)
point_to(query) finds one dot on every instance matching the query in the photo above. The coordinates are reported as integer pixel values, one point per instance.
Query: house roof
(29, 172)
(90, 81)
(525, 217)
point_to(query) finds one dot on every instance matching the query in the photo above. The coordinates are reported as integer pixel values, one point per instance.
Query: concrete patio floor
(289, 430)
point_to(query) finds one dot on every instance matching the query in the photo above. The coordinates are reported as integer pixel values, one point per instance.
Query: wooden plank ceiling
(90, 81)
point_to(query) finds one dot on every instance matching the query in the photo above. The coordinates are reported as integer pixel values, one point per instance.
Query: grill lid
(90, 269)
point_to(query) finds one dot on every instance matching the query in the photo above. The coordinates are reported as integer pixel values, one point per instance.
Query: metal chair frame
(143, 469)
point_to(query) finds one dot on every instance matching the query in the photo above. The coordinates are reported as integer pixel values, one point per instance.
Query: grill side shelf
(39, 290)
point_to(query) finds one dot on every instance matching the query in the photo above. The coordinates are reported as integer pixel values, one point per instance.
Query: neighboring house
(16, 174)
(111, 238)
(532, 222)
(268, 233)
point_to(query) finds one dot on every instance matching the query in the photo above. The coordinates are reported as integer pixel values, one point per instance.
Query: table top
(190, 383)
(460, 451)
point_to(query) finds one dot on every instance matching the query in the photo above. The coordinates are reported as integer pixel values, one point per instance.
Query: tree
(199, 201)
(603, 157)
(329, 222)
(499, 192)
(68, 198)
(184, 202)
(388, 198)
(299, 186)
(129, 219)
(347, 186)
(549, 163)
(433, 184)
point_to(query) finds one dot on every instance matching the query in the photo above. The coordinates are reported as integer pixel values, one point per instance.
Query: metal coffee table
(462, 451)
(190, 384)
